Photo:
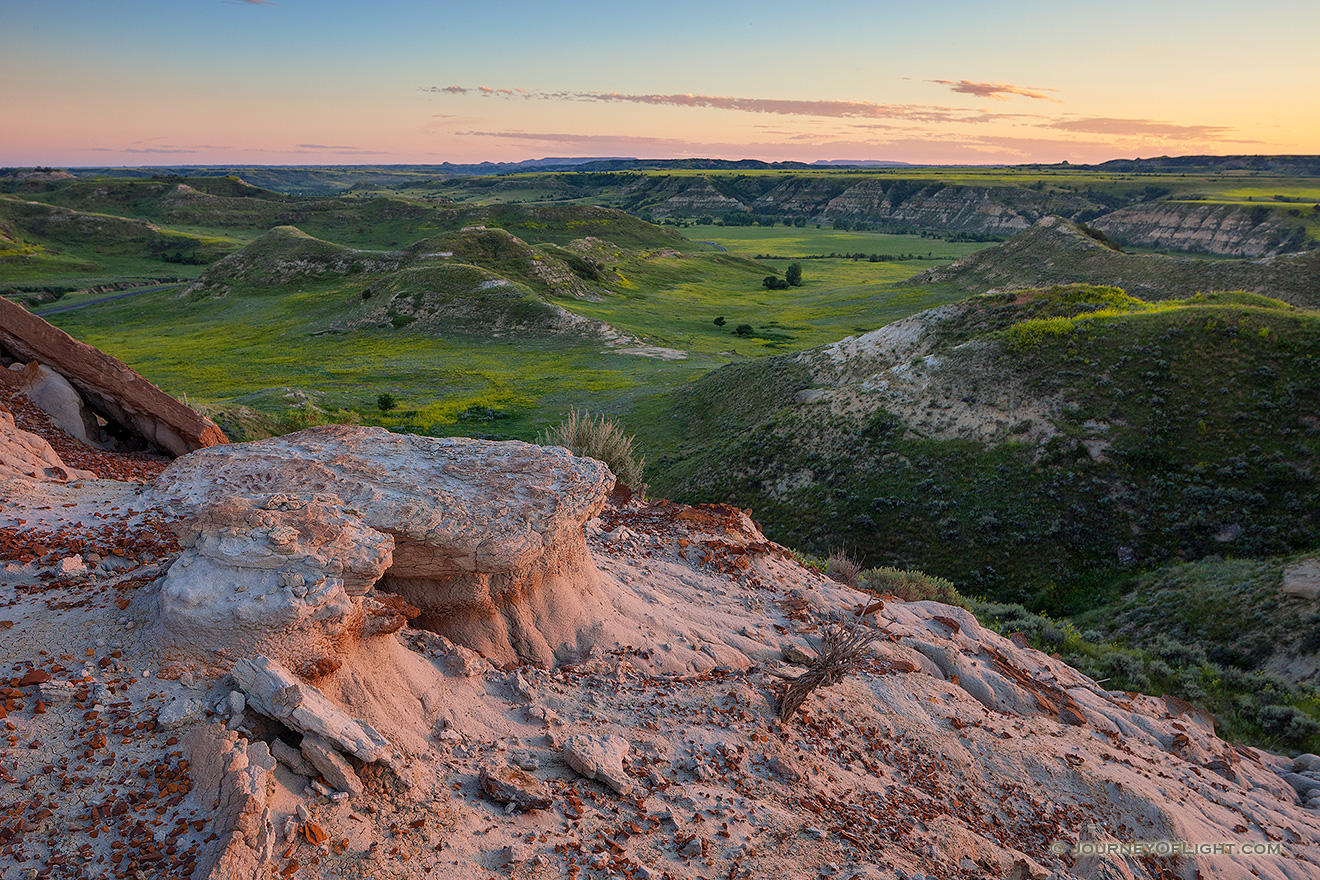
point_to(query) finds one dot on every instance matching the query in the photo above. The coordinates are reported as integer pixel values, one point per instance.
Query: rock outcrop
(600, 758)
(966, 209)
(657, 749)
(53, 395)
(280, 574)
(1301, 580)
(275, 692)
(685, 196)
(108, 385)
(236, 791)
(1059, 251)
(26, 456)
(1231, 230)
(484, 538)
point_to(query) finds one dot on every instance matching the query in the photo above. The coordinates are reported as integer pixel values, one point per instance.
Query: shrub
(309, 415)
(1176, 654)
(1026, 335)
(913, 586)
(807, 560)
(1125, 671)
(600, 438)
(386, 402)
(843, 649)
(1011, 617)
(1287, 723)
(742, 330)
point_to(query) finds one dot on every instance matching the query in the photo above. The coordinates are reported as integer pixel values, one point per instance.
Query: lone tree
(719, 322)
(793, 274)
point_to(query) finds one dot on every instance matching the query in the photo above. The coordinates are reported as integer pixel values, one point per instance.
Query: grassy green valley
(478, 320)
(1103, 440)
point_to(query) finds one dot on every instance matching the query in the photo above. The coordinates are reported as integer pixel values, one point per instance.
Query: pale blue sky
(92, 82)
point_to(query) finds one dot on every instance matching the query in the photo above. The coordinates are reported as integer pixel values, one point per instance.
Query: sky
(298, 82)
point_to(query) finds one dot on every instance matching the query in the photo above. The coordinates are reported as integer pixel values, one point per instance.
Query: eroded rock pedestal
(289, 535)
(282, 574)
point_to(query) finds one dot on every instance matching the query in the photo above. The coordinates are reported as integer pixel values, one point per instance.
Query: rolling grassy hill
(1028, 446)
(484, 320)
(480, 283)
(1058, 251)
(42, 245)
(229, 206)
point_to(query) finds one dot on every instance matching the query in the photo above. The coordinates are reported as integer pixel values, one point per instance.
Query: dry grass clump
(600, 438)
(844, 648)
(844, 569)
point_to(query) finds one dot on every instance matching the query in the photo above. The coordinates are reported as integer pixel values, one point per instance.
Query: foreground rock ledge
(108, 384)
(484, 538)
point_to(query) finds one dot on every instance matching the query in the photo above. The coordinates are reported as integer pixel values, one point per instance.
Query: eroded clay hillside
(347, 653)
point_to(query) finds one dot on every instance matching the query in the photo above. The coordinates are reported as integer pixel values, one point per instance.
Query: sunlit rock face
(289, 535)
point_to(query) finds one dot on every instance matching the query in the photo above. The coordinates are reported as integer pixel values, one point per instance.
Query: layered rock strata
(484, 538)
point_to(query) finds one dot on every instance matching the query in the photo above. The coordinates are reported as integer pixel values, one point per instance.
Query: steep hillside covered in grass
(463, 299)
(1058, 251)
(1028, 446)
(40, 242)
(476, 282)
(284, 255)
(1246, 614)
(229, 203)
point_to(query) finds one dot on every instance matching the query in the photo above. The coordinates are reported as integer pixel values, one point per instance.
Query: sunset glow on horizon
(404, 82)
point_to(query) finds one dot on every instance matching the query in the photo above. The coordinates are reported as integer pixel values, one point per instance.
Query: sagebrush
(844, 569)
(913, 586)
(844, 648)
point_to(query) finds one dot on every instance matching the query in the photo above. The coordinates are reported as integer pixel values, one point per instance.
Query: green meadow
(794, 242)
(276, 348)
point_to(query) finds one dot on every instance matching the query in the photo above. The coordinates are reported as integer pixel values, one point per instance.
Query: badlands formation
(345, 653)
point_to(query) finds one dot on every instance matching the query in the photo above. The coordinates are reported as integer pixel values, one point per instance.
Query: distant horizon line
(580, 160)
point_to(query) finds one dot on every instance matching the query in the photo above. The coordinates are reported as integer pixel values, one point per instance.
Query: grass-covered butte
(1028, 446)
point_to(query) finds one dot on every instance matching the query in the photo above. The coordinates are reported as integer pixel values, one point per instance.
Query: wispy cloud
(996, 91)
(338, 149)
(145, 150)
(582, 139)
(138, 148)
(1143, 128)
(776, 106)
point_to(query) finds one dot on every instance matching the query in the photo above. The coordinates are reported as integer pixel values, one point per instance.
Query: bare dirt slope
(654, 750)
